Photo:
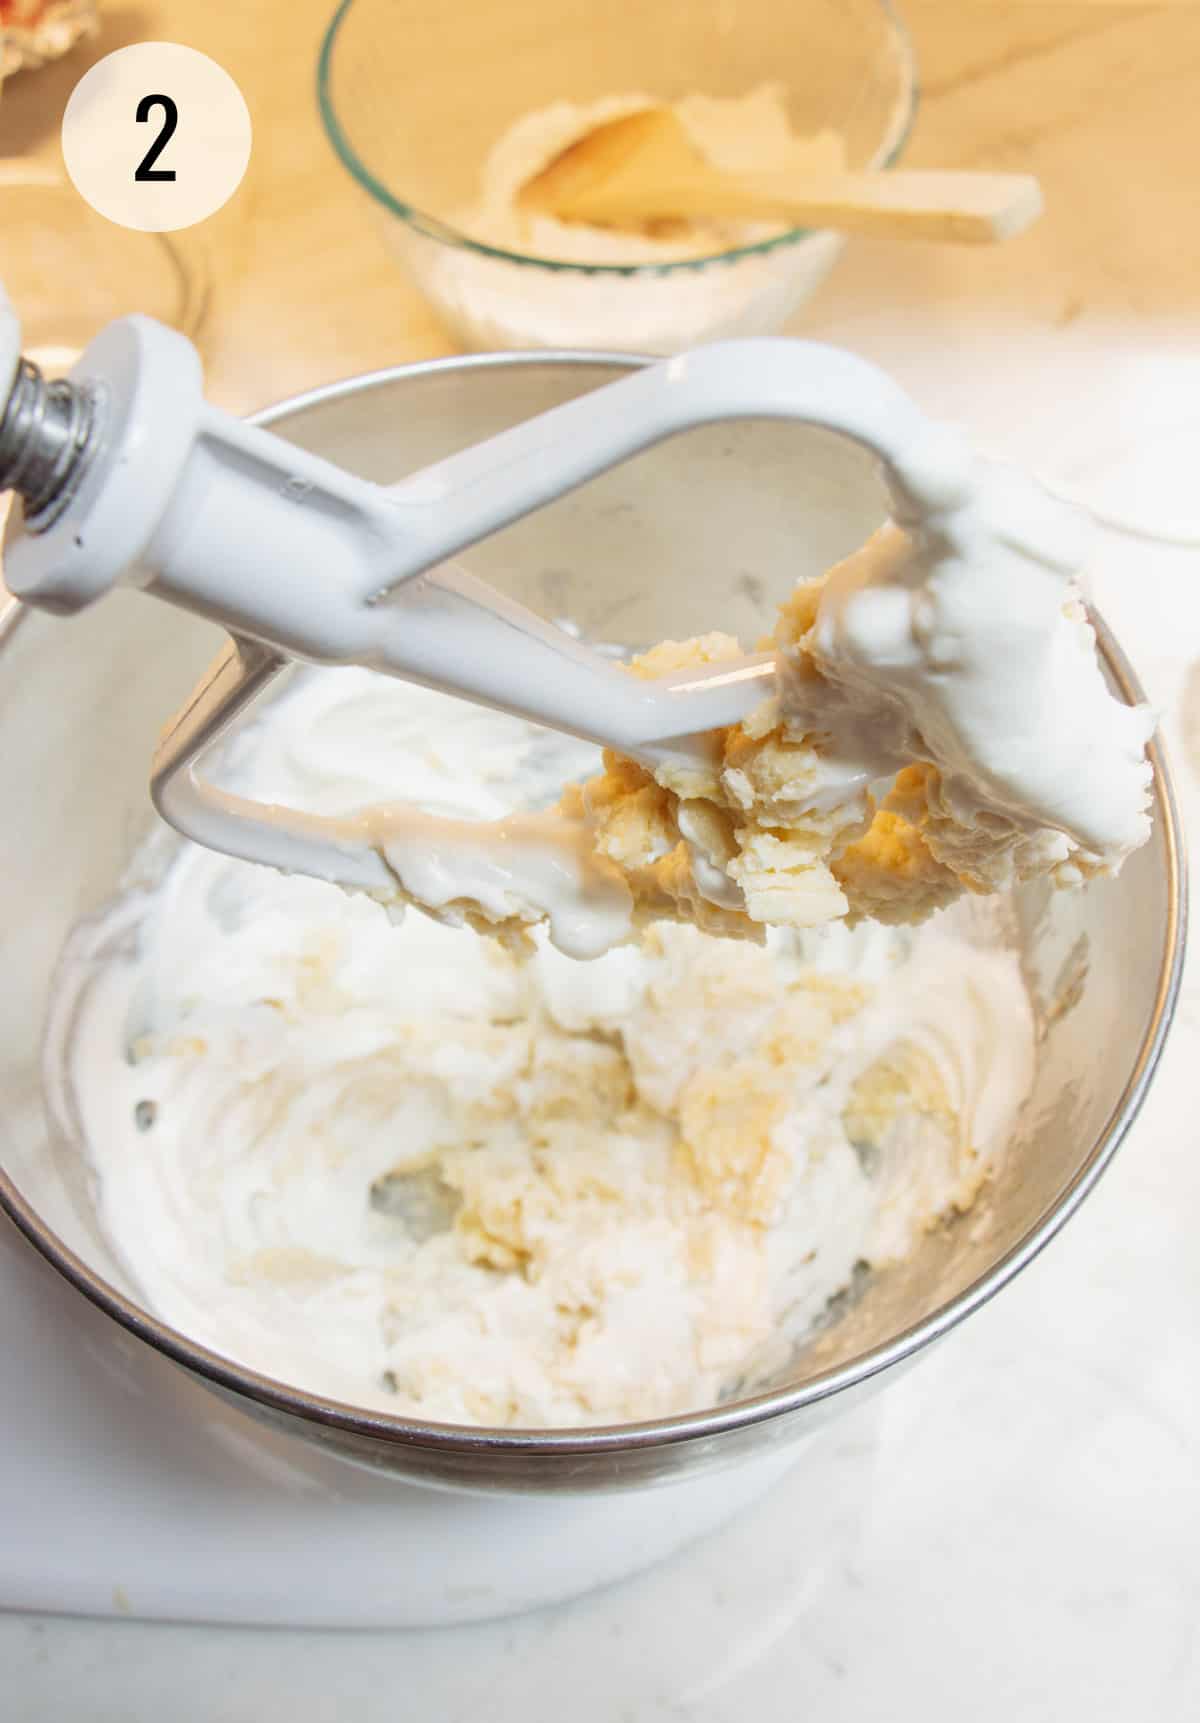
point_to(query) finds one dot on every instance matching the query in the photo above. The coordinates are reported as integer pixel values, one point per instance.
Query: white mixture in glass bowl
(491, 302)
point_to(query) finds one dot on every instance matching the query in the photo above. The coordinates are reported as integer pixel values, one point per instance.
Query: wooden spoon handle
(960, 208)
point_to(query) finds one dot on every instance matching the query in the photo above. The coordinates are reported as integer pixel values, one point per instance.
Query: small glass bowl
(68, 271)
(414, 97)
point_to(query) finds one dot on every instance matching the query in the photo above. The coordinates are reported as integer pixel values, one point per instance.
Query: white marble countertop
(1008, 1533)
(1013, 1530)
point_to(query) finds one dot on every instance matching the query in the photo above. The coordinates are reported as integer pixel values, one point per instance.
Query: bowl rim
(887, 153)
(530, 1442)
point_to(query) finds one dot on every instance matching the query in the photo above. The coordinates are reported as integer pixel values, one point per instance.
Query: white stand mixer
(128, 476)
(124, 1484)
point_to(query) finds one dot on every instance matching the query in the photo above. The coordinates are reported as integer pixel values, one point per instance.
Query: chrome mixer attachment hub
(46, 433)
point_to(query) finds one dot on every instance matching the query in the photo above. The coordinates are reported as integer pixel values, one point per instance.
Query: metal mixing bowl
(706, 531)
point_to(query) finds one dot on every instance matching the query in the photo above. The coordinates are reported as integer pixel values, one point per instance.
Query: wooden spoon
(644, 168)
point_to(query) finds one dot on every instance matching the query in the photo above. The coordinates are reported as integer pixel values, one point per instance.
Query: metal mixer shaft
(46, 431)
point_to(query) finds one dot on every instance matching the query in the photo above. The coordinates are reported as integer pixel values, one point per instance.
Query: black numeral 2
(146, 168)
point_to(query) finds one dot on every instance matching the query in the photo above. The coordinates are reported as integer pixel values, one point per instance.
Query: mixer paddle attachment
(127, 476)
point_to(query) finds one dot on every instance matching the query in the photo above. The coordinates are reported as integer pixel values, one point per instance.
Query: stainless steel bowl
(706, 531)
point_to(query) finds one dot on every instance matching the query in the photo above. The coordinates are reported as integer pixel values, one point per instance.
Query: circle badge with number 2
(156, 137)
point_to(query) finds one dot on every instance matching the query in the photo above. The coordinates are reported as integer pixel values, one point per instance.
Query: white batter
(401, 1168)
(476, 1179)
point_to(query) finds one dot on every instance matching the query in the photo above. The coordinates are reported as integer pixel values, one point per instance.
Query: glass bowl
(68, 271)
(414, 99)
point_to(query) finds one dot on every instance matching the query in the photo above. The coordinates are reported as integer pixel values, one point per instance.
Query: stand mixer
(125, 1481)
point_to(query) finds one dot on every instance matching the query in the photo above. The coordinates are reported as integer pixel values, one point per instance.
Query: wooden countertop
(1098, 99)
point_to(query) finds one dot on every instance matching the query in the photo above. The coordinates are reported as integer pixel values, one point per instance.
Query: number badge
(146, 170)
(156, 137)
